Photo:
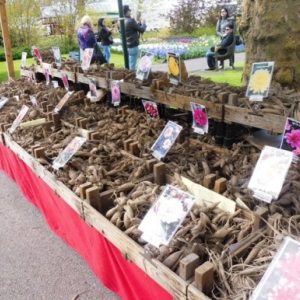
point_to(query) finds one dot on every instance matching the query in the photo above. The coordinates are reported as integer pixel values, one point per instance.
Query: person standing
(85, 35)
(227, 40)
(132, 31)
(105, 37)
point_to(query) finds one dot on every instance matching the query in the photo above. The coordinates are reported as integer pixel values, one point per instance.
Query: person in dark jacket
(132, 30)
(85, 35)
(227, 40)
(105, 37)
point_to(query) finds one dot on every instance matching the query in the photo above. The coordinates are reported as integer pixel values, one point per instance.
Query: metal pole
(123, 35)
(6, 40)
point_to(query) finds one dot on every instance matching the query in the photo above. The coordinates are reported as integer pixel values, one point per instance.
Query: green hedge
(16, 53)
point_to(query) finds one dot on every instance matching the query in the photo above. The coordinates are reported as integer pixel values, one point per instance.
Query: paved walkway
(198, 64)
(34, 263)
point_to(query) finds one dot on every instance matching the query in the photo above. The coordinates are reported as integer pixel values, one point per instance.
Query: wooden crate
(270, 122)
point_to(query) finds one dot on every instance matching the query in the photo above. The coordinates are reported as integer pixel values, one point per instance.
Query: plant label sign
(33, 100)
(47, 76)
(86, 59)
(64, 78)
(3, 100)
(115, 92)
(260, 79)
(166, 139)
(174, 72)
(63, 101)
(144, 66)
(151, 109)
(18, 119)
(68, 152)
(269, 173)
(36, 53)
(165, 216)
(200, 119)
(57, 56)
(291, 138)
(23, 60)
(282, 278)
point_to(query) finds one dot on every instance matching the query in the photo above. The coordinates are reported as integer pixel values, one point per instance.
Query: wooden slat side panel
(60, 189)
(194, 294)
(270, 122)
(133, 252)
(100, 82)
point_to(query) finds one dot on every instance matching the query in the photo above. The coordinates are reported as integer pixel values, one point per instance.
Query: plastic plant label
(47, 76)
(144, 66)
(17, 98)
(151, 109)
(55, 84)
(291, 138)
(23, 60)
(31, 77)
(3, 100)
(165, 216)
(33, 100)
(63, 101)
(269, 173)
(200, 119)
(281, 280)
(173, 62)
(93, 89)
(115, 92)
(64, 78)
(57, 56)
(86, 59)
(68, 152)
(36, 53)
(166, 139)
(19, 118)
(260, 79)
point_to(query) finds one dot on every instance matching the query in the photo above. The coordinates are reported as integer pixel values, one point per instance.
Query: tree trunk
(271, 32)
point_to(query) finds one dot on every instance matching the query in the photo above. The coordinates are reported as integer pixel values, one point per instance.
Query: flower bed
(186, 47)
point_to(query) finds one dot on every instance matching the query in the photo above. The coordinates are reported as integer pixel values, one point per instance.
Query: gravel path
(34, 263)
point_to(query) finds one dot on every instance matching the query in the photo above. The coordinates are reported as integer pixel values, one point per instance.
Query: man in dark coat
(227, 40)
(132, 30)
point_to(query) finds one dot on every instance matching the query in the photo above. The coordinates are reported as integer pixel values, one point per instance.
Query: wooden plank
(93, 197)
(82, 189)
(171, 282)
(159, 172)
(126, 144)
(134, 149)
(204, 277)
(100, 81)
(270, 122)
(150, 164)
(195, 294)
(60, 189)
(209, 181)
(187, 266)
(220, 185)
(57, 73)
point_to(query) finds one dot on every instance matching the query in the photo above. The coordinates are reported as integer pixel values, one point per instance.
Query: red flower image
(200, 117)
(293, 138)
(151, 110)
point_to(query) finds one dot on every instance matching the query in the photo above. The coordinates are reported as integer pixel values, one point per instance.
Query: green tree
(24, 21)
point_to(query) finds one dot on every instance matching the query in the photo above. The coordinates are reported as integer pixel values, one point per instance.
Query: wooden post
(159, 172)
(209, 181)
(134, 149)
(204, 277)
(6, 40)
(220, 185)
(188, 265)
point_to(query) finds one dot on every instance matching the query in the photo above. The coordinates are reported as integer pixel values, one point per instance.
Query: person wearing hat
(132, 31)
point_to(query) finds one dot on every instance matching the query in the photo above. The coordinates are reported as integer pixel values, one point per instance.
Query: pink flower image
(200, 117)
(287, 126)
(168, 132)
(293, 138)
(115, 91)
(151, 110)
(145, 63)
(167, 144)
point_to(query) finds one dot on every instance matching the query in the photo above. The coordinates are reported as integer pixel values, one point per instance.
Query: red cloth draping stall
(117, 274)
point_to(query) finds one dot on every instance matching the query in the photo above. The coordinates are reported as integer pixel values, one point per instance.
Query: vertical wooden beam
(6, 40)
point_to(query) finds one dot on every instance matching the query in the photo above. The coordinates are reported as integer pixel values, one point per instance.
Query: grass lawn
(232, 77)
